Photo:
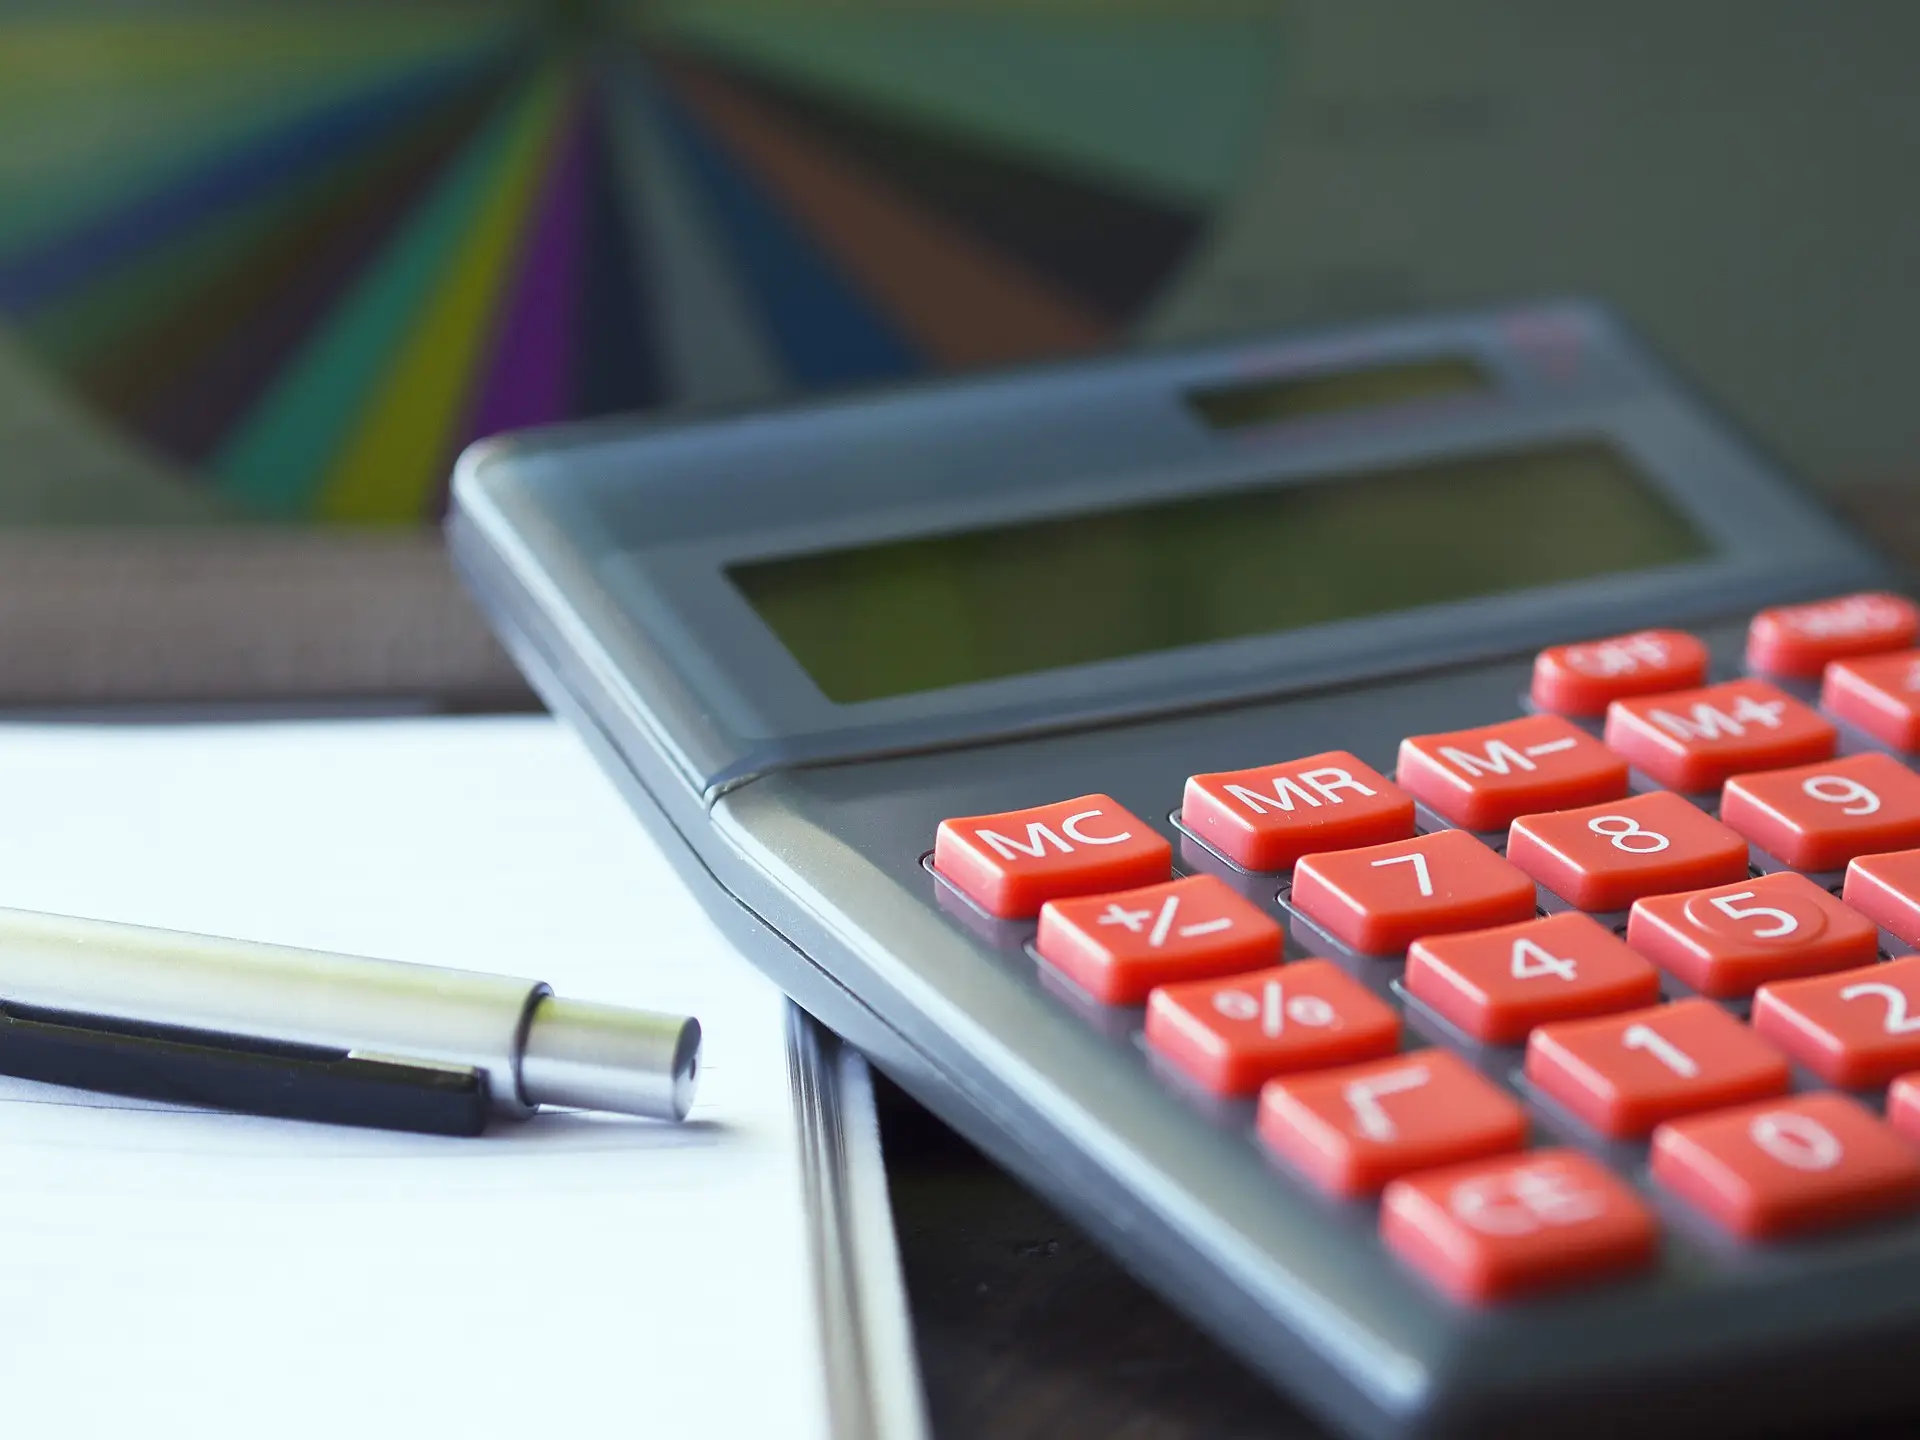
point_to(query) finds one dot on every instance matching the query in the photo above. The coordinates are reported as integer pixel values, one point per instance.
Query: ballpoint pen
(273, 1030)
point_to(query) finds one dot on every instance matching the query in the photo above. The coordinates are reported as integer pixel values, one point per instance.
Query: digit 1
(1643, 1037)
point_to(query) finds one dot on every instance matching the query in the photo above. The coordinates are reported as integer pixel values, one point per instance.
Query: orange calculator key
(1267, 818)
(1818, 817)
(1625, 1074)
(1119, 945)
(1879, 695)
(1797, 641)
(1857, 1029)
(1787, 1166)
(1012, 863)
(1381, 898)
(1350, 1131)
(1584, 679)
(1498, 984)
(1886, 889)
(1495, 1229)
(1483, 778)
(1694, 739)
(1231, 1035)
(1607, 856)
(1730, 939)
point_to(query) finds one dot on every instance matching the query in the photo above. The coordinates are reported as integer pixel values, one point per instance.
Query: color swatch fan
(282, 262)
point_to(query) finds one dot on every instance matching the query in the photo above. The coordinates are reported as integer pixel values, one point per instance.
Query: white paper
(168, 1271)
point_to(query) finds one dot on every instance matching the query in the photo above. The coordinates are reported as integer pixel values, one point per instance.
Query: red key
(1886, 889)
(1495, 1229)
(1498, 984)
(1584, 679)
(1483, 778)
(1857, 1029)
(1798, 640)
(1350, 1131)
(1232, 1035)
(1787, 1166)
(1694, 739)
(1378, 900)
(1625, 1074)
(1880, 695)
(1730, 939)
(1267, 818)
(1818, 817)
(1012, 863)
(1903, 1106)
(1607, 856)
(1119, 946)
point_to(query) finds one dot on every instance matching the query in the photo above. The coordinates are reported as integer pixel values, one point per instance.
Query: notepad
(170, 1271)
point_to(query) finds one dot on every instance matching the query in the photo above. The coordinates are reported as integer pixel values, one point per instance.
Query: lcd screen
(937, 610)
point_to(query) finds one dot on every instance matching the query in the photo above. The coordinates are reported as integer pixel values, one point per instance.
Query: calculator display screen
(927, 612)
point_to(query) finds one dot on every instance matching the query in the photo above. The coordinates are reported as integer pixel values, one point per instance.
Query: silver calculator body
(726, 609)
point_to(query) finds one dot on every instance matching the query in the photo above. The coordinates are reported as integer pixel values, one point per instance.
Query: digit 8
(1604, 825)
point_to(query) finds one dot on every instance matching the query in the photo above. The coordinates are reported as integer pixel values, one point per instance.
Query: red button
(1494, 1229)
(1858, 1029)
(1380, 899)
(1903, 1106)
(1498, 984)
(1584, 679)
(1231, 1035)
(1625, 1074)
(1118, 946)
(1880, 696)
(1886, 889)
(1787, 1166)
(1729, 940)
(1483, 778)
(1351, 1131)
(1694, 739)
(1798, 640)
(1607, 856)
(1267, 818)
(1818, 817)
(1010, 864)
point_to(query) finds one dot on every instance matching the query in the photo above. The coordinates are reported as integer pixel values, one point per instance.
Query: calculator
(1408, 834)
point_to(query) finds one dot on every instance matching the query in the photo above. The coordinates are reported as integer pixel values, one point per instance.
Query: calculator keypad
(1525, 921)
